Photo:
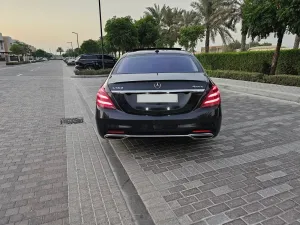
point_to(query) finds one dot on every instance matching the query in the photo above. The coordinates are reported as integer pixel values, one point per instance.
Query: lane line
(19, 74)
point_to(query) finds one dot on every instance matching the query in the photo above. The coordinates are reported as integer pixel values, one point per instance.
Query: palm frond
(219, 16)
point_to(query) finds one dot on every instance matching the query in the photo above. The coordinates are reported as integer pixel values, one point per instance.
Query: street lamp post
(102, 46)
(77, 39)
(70, 42)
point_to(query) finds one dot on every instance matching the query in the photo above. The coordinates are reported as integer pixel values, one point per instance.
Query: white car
(71, 61)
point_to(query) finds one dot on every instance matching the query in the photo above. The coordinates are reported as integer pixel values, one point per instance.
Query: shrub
(260, 61)
(287, 80)
(16, 63)
(283, 79)
(92, 72)
(235, 75)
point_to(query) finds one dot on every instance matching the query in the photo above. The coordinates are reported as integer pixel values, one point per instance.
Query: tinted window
(157, 63)
(108, 57)
(89, 57)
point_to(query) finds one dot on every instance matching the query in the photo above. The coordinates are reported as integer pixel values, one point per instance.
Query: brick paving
(33, 160)
(51, 173)
(248, 175)
(94, 194)
(59, 174)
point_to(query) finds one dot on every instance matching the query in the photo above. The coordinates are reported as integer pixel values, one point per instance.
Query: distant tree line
(163, 26)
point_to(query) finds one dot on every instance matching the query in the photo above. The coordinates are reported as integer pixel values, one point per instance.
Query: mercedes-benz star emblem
(157, 85)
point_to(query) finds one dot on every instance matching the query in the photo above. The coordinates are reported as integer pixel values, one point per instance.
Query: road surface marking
(19, 74)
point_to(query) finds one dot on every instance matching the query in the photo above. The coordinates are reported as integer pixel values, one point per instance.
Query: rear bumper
(192, 136)
(201, 123)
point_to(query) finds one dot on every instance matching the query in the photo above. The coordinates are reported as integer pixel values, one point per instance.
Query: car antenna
(157, 51)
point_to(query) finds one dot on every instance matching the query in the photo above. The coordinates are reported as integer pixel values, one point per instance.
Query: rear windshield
(157, 63)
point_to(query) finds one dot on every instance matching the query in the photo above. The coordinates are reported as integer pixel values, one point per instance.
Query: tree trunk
(276, 54)
(243, 42)
(297, 42)
(207, 39)
(244, 36)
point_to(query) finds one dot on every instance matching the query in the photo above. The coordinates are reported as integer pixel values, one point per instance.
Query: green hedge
(92, 72)
(287, 80)
(16, 63)
(260, 61)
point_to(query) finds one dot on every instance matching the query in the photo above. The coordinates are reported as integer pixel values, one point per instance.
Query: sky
(49, 24)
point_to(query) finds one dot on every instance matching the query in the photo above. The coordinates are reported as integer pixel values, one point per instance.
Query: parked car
(158, 93)
(66, 59)
(94, 61)
(71, 61)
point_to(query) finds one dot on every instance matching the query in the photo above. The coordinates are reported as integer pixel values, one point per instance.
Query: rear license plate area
(162, 126)
(157, 98)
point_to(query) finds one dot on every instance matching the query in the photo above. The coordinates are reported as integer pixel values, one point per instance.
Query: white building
(8, 41)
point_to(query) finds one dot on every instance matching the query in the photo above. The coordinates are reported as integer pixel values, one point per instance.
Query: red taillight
(115, 132)
(202, 131)
(213, 98)
(103, 100)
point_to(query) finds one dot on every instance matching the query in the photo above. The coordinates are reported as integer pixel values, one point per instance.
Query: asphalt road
(48, 171)
(33, 163)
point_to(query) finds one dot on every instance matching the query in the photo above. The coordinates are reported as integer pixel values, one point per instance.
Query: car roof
(154, 51)
(93, 54)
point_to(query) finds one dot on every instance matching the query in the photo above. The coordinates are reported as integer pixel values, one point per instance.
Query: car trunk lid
(157, 94)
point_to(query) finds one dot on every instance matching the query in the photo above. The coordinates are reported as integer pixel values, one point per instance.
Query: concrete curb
(261, 92)
(89, 76)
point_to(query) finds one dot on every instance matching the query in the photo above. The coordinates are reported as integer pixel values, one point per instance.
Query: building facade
(8, 41)
(5, 54)
(2, 51)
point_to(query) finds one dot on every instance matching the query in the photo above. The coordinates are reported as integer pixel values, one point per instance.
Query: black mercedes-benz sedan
(158, 93)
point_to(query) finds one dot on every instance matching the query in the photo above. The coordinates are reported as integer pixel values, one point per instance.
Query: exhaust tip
(115, 136)
(201, 136)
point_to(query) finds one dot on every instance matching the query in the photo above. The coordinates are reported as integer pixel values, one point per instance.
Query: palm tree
(171, 20)
(217, 19)
(168, 19)
(297, 42)
(60, 50)
(237, 16)
(189, 18)
(156, 12)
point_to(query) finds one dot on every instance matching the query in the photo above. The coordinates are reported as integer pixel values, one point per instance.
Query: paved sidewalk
(269, 90)
(94, 195)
